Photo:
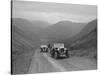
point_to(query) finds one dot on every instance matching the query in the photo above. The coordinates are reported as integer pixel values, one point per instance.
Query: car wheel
(55, 55)
(51, 53)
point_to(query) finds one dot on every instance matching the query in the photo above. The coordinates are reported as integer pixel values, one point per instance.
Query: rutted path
(43, 63)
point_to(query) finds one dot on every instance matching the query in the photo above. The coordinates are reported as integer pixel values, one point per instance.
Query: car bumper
(62, 55)
(44, 50)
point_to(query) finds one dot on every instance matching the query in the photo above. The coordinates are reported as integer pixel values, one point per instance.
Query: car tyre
(55, 55)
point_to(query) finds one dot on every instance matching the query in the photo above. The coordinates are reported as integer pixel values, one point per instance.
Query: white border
(88, 2)
(5, 36)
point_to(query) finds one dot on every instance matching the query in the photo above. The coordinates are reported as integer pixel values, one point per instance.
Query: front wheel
(55, 55)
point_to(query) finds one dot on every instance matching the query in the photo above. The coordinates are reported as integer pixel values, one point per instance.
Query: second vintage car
(44, 48)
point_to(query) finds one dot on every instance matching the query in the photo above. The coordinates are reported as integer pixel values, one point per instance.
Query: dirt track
(43, 63)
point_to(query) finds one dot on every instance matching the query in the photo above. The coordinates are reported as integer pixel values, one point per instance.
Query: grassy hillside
(28, 25)
(85, 31)
(61, 30)
(86, 44)
(23, 48)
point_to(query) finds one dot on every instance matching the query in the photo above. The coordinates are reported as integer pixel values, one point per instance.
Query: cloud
(52, 17)
(53, 12)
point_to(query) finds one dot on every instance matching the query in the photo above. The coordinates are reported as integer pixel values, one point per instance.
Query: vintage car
(44, 48)
(58, 50)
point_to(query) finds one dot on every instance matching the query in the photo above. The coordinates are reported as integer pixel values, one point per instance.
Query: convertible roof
(43, 46)
(59, 45)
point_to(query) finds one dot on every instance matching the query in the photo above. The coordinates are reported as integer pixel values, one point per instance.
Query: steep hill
(87, 29)
(85, 43)
(62, 30)
(29, 25)
(23, 47)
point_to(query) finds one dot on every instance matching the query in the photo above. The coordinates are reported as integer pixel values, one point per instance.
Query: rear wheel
(52, 53)
(41, 50)
(67, 55)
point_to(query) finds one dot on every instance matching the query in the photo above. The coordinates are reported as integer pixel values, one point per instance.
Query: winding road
(43, 63)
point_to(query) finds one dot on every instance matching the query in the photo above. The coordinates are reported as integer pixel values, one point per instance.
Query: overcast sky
(53, 12)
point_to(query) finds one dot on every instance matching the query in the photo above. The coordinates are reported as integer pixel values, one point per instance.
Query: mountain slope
(85, 44)
(29, 25)
(22, 50)
(88, 40)
(88, 28)
(62, 30)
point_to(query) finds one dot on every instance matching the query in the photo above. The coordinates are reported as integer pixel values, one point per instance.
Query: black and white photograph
(48, 37)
